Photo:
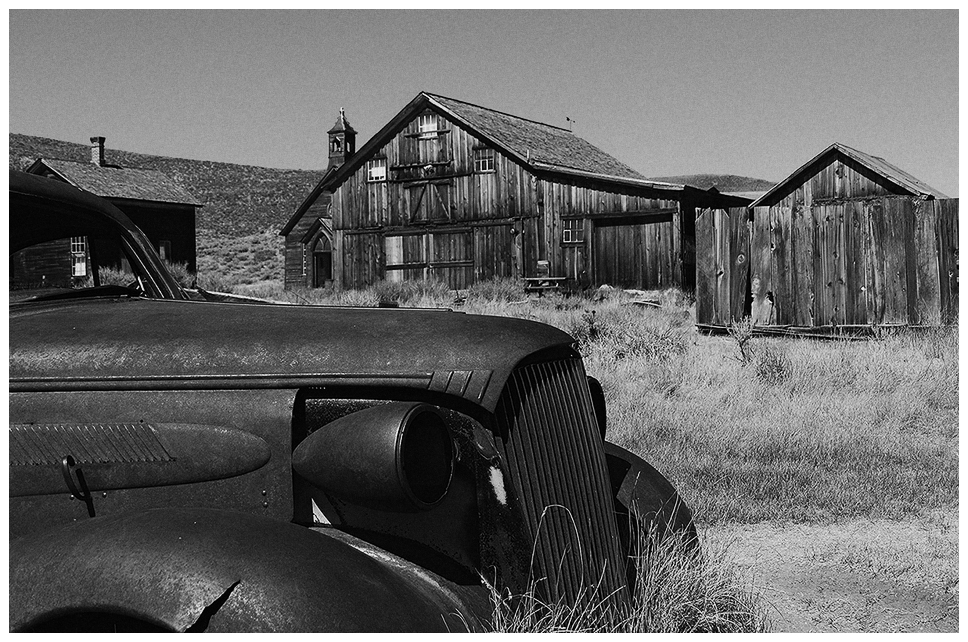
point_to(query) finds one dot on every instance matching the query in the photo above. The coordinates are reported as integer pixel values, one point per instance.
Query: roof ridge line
(497, 111)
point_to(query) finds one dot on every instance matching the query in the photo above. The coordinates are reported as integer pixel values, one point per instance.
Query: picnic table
(542, 284)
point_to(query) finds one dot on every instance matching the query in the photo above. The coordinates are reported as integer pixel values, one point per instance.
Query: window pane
(483, 160)
(377, 170)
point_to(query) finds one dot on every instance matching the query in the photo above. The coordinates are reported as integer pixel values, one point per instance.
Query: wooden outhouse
(459, 192)
(846, 241)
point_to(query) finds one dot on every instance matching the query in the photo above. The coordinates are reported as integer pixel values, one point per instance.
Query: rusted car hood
(140, 343)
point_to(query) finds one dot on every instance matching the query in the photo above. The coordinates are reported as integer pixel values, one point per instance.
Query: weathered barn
(458, 192)
(163, 209)
(847, 240)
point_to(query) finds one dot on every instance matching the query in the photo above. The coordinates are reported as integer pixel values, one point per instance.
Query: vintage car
(187, 465)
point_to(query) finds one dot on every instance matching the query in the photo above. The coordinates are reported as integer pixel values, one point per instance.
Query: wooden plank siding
(946, 229)
(498, 223)
(837, 178)
(888, 260)
(762, 309)
(723, 267)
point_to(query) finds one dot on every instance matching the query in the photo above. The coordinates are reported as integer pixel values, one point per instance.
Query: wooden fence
(878, 261)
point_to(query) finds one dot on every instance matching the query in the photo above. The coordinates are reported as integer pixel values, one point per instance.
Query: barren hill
(722, 182)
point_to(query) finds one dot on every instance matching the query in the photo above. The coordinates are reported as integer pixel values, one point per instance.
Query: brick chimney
(97, 150)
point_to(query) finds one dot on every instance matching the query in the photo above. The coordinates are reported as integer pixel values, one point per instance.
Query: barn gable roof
(118, 182)
(540, 147)
(875, 164)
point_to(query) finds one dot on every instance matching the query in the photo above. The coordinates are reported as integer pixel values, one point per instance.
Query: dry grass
(748, 429)
(678, 589)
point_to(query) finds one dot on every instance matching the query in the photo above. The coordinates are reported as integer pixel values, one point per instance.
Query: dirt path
(860, 575)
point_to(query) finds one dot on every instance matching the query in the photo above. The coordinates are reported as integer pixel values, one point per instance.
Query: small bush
(771, 364)
(624, 334)
(114, 276)
(500, 289)
(181, 273)
(742, 333)
(410, 291)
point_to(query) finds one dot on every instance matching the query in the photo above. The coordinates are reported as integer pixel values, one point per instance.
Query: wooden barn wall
(835, 178)
(883, 261)
(722, 265)
(42, 265)
(640, 250)
(482, 225)
(295, 276)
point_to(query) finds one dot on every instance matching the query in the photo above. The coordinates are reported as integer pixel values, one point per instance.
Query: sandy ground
(860, 575)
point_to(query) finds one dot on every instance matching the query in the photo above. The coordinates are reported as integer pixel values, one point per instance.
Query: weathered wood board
(881, 260)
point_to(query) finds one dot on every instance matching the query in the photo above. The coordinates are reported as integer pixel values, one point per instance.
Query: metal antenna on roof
(570, 122)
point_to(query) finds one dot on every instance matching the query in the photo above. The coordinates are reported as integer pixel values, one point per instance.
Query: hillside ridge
(722, 182)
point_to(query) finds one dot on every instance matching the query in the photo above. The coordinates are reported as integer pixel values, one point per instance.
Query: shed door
(633, 255)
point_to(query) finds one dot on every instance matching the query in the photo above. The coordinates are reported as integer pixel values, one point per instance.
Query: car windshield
(60, 250)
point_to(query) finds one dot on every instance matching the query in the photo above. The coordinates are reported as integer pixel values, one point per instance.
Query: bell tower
(342, 140)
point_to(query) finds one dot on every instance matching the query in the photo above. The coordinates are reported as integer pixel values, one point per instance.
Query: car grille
(553, 452)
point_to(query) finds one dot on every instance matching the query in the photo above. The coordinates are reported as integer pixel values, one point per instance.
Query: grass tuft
(678, 588)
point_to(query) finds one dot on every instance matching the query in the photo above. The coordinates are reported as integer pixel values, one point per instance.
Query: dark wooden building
(458, 192)
(163, 210)
(847, 240)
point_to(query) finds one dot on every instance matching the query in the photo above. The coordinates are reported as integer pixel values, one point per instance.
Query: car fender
(643, 493)
(203, 569)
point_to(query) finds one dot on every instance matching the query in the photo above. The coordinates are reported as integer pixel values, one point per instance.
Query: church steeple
(342, 140)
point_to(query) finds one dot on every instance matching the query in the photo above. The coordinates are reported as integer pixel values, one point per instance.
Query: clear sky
(668, 92)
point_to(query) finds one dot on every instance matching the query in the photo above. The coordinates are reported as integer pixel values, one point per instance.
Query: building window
(573, 231)
(78, 256)
(483, 160)
(305, 258)
(164, 250)
(427, 125)
(376, 170)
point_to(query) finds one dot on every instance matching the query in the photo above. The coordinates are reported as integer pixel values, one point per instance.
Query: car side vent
(47, 444)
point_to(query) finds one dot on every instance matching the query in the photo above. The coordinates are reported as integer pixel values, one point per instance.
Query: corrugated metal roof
(874, 163)
(545, 146)
(122, 182)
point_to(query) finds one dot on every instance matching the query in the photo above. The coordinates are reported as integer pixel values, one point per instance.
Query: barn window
(427, 125)
(78, 256)
(573, 231)
(483, 160)
(164, 250)
(376, 170)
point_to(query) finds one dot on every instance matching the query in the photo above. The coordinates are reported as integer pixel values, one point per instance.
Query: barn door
(497, 251)
(451, 258)
(429, 201)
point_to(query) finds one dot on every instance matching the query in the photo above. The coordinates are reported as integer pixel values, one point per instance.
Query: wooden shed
(459, 192)
(846, 241)
(163, 209)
